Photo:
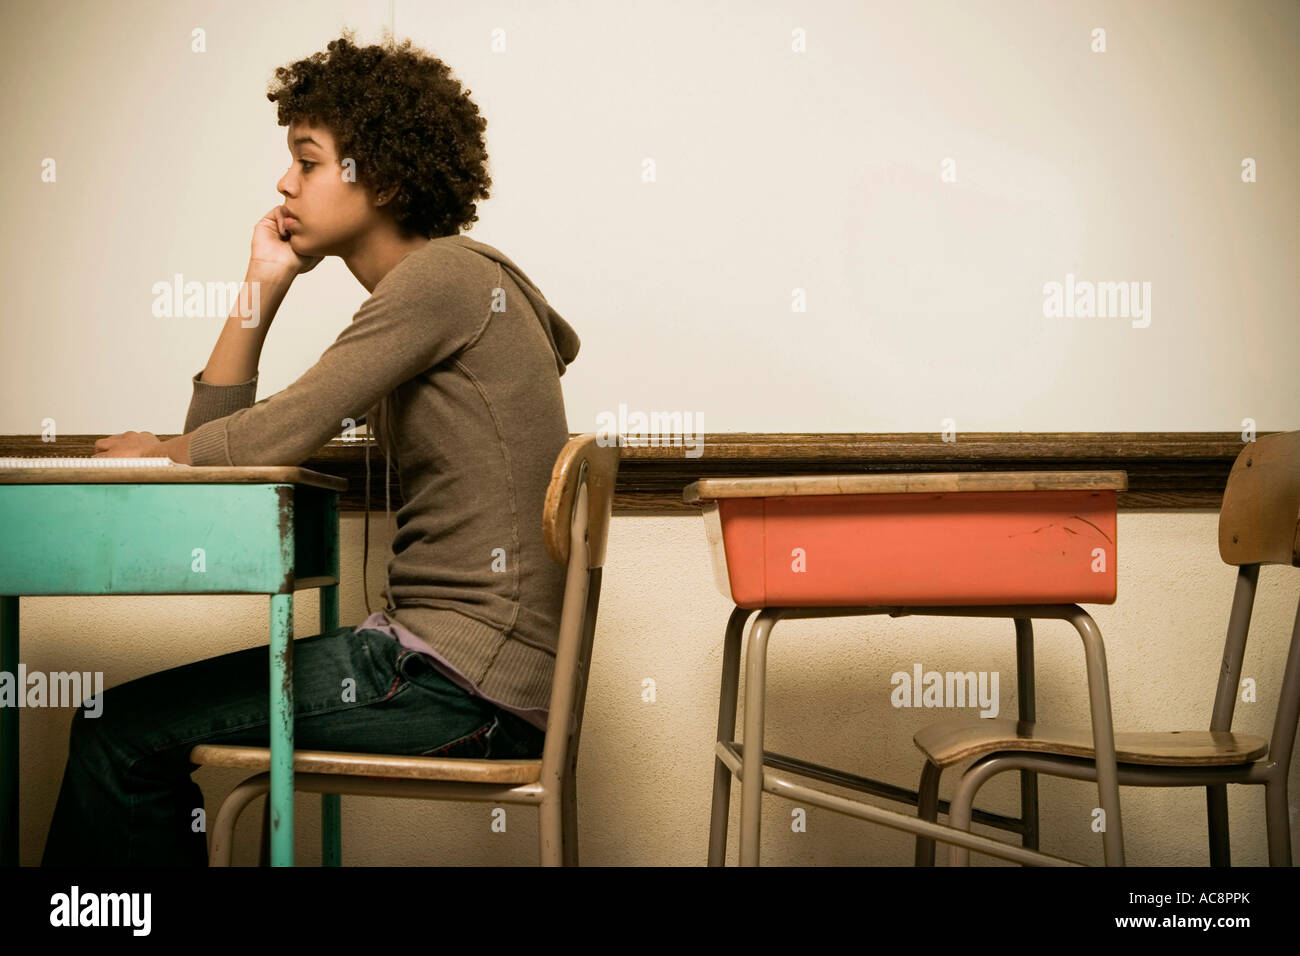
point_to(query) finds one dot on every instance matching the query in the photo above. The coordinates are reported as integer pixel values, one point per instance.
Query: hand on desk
(129, 445)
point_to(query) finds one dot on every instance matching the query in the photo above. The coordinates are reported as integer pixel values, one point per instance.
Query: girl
(454, 360)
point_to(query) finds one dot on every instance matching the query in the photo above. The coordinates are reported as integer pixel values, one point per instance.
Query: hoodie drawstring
(365, 541)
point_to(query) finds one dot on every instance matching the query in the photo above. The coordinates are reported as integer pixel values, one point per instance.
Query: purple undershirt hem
(379, 621)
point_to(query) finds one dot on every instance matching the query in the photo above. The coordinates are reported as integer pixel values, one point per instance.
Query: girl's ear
(386, 195)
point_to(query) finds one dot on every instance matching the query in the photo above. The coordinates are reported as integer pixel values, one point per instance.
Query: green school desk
(173, 530)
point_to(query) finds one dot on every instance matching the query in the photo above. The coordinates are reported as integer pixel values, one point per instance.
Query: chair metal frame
(1259, 523)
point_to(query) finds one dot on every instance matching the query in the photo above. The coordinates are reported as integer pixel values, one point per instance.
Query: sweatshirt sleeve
(426, 309)
(217, 401)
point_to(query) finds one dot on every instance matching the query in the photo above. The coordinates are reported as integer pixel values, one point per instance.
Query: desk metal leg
(331, 810)
(726, 734)
(329, 608)
(751, 780)
(9, 735)
(1025, 695)
(281, 795)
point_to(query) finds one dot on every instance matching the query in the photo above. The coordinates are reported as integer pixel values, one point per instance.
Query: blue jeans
(127, 797)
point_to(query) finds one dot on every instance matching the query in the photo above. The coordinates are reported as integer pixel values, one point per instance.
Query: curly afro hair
(399, 113)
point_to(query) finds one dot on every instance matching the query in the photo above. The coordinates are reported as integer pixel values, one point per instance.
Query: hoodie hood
(564, 345)
(564, 341)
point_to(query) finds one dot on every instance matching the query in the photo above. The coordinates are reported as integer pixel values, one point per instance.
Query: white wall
(775, 171)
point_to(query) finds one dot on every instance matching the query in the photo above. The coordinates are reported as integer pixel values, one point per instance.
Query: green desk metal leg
(281, 729)
(329, 608)
(9, 735)
(331, 823)
(331, 812)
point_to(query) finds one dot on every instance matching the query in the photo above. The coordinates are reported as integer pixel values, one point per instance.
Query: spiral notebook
(72, 462)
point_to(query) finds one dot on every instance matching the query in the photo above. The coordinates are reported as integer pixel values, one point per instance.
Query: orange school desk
(1022, 545)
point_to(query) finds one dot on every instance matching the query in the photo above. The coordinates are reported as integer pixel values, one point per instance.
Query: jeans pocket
(475, 744)
(516, 739)
(383, 655)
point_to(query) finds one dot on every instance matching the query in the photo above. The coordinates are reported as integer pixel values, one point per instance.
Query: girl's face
(327, 211)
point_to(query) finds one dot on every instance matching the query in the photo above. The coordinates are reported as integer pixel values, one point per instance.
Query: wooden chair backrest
(602, 468)
(1259, 522)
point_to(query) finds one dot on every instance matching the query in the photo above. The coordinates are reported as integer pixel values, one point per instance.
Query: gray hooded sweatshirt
(455, 362)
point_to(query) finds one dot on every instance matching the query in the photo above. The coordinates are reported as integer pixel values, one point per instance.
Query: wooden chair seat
(951, 741)
(458, 769)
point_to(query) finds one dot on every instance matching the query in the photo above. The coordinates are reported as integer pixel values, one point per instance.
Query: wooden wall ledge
(1166, 470)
